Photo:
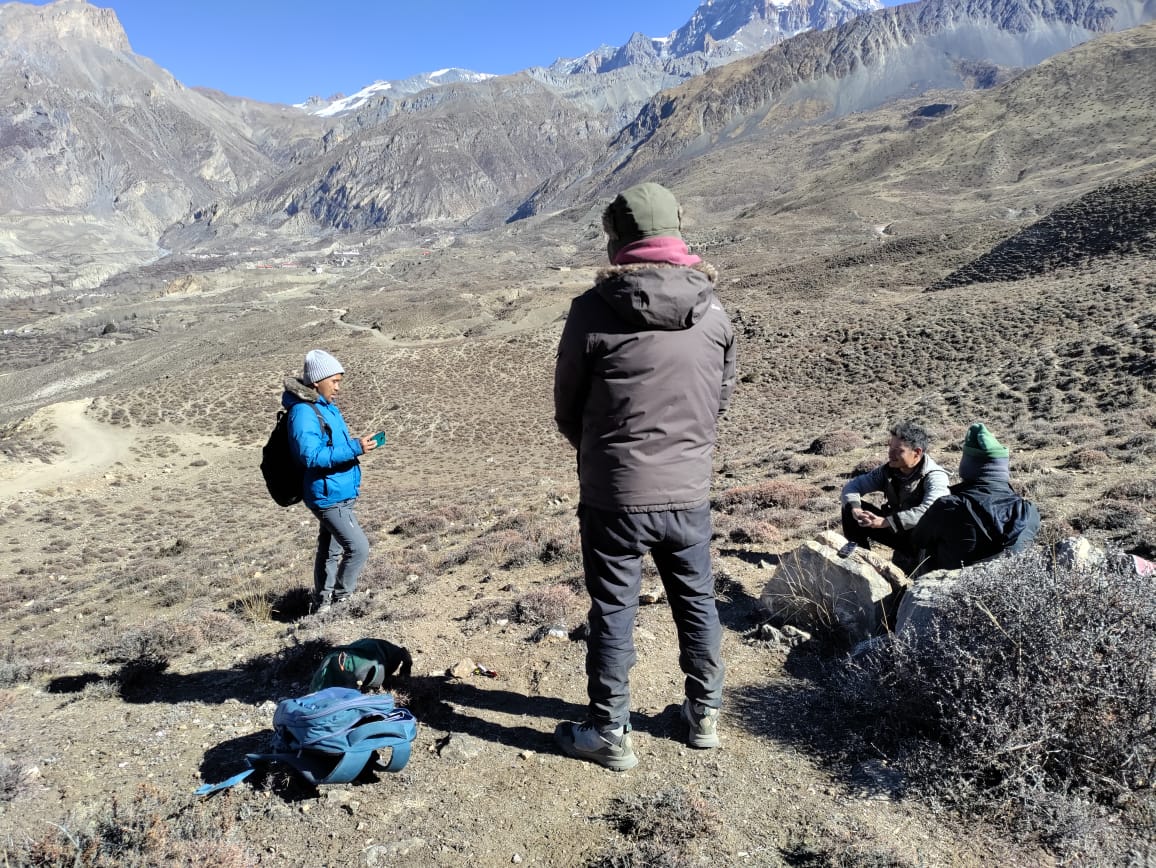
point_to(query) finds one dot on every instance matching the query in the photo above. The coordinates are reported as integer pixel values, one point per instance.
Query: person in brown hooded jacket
(645, 366)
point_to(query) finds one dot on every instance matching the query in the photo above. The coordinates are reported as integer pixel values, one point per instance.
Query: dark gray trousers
(613, 545)
(342, 550)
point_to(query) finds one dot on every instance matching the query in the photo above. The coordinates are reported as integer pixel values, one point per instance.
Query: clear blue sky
(286, 50)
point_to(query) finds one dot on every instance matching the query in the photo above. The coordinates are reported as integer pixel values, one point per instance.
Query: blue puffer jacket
(332, 473)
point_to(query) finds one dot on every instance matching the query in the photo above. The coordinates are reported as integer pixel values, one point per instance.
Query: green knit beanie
(646, 210)
(982, 443)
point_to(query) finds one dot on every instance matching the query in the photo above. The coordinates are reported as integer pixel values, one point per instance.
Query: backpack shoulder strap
(325, 429)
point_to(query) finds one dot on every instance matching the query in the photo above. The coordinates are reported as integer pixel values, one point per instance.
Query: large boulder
(921, 602)
(828, 583)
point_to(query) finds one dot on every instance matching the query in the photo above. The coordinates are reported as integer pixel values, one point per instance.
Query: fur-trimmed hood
(299, 390)
(613, 270)
(658, 295)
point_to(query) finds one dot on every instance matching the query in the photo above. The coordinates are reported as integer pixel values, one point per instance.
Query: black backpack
(284, 475)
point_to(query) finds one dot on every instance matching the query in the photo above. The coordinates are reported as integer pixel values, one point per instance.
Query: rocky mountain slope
(95, 135)
(1118, 218)
(893, 52)
(452, 153)
(620, 80)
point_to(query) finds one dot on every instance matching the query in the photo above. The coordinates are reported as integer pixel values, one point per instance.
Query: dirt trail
(89, 448)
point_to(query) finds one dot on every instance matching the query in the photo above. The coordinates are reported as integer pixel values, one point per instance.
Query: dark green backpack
(363, 665)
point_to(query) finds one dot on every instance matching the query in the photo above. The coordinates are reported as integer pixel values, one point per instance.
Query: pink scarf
(664, 248)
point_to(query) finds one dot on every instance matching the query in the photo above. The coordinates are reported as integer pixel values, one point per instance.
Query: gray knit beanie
(983, 455)
(319, 365)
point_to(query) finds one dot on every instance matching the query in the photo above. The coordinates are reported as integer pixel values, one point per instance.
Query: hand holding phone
(379, 438)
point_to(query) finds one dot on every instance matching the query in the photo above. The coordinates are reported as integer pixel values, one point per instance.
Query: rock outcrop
(830, 584)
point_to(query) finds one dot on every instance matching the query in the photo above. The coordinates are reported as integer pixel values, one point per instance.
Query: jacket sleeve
(311, 444)
(935, 486)
(864, 483)
(571, 378)
(1025, 527)
(729, 366)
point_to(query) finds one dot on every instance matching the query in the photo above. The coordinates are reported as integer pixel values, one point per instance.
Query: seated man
(983, 517)
(910, 482)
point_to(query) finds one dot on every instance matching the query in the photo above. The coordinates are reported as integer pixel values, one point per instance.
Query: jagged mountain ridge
(719, 31)
(891, 52)
(620, 79)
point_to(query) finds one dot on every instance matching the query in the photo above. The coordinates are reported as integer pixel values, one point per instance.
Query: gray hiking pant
(613, 545)
(342, 550)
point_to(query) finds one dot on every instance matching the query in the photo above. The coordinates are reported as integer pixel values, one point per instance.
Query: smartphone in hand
(379, 438)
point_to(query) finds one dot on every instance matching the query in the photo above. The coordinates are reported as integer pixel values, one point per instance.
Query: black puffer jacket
(646, 363)
(980, 519)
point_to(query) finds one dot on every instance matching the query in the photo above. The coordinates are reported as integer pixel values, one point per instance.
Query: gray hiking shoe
(701, 725)
(611, 748)
(321, 605)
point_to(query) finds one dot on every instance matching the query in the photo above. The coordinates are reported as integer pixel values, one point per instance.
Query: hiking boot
(609, 748)
(701, 725)
(321, 605)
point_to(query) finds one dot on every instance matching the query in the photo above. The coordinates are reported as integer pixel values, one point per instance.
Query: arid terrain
(154, 608)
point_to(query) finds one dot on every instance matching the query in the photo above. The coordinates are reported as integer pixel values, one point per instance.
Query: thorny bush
(1030, 699)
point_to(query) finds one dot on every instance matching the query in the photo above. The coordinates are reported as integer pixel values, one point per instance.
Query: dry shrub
(835, 443)
(766, 495)
(1111, 515)
(145, 831)
(16, 779)
(864, 466)
(1030, 701)
(1142, 490)
(670, 818)
(421, 523)
(1087, 459)
(17, 666)
(545, 606)
(157, 643)
(840, 855)
(761, 532)
(1080, 429)
(804, 465)
(1052, 532)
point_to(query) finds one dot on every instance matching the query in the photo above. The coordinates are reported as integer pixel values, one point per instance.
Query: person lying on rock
(982, 518)
(910, 482)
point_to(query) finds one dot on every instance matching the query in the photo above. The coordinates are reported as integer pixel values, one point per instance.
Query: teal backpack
(363, 665)
(331, 736)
